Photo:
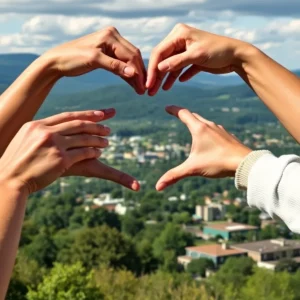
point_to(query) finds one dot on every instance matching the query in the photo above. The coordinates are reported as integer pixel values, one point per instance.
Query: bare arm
(20, 102)
(13, 203)
(277, 87)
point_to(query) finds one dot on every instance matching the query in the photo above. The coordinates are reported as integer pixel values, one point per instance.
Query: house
(121, 209)
(193, 230)
(266, 220)
(267, 253)
(216, 252)
(228, 230)
(211, 212)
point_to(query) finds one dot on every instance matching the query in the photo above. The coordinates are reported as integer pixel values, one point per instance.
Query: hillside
(11, 65)
(213, 104)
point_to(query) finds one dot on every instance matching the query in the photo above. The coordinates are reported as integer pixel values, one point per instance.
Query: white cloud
(144, 22)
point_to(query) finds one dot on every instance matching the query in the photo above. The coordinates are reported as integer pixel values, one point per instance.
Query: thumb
(176, 62)
(116, 66)
(173, 176)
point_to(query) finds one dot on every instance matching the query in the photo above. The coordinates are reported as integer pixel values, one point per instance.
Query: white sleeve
(274, 186)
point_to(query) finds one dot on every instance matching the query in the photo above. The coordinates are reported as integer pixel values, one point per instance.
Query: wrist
(47, 66)
(244, 54)
(14, 185)
(237, 159)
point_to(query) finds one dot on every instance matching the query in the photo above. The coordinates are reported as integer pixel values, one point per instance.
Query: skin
(40, 153)
(206, 52)
(105, 49)
(211, 143)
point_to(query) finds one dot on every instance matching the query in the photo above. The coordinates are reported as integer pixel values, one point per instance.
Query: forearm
(12, 210)
(277, 87)
(20, 102)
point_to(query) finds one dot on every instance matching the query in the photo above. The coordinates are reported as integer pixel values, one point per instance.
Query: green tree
(172, 238)
(42, 249)
(97, 217)
(269, 232)
(66, 283)
(17, 290)
(132, 225)
(198, 267)
(182, 218)
(287, 264)
(265, 284)
(254, 220)
(145, 252)
(103, 245)
(232, 276)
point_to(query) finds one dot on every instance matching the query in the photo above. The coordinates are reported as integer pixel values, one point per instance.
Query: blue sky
(35, 25)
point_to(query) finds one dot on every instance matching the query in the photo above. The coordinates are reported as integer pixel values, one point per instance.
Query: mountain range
(210, 95)
(11, 65)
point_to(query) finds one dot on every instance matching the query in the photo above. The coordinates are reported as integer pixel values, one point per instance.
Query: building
(121, 209)
(193, 230)
(216, 252)
(267, 253)
(228, 231)
(210, 212)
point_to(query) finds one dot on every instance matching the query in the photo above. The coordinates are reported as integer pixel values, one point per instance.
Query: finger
(79, 127)
(95, 168)
(116, 66)
(119, 177)
(85, 140)
(159, 79)
(88, 115)
(183, 114)
(126, 52)
(176, 62)
(172, 77)
(138, 64)
(172, 176)
(131, 82)
(81, 154)
(163, 50)
(194, 70)
(203, 120)
(190, 73)
(142, 74)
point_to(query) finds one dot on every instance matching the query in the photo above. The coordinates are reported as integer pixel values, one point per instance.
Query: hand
(105, 49)
(96, 169)
(93, 167)
(215, 153)
(186, 46)
(44, 150)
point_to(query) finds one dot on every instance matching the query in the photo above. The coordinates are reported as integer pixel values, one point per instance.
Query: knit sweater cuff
(242, 173)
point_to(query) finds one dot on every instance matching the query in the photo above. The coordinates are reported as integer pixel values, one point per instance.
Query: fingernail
(135, 186)
(106, 142)
(98, 113)
(164, 66)
(109, 111)
(106, 128)
(161, 186)
(129, 71)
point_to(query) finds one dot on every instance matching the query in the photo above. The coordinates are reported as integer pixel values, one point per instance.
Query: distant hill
(12, 65)
(213, 104)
